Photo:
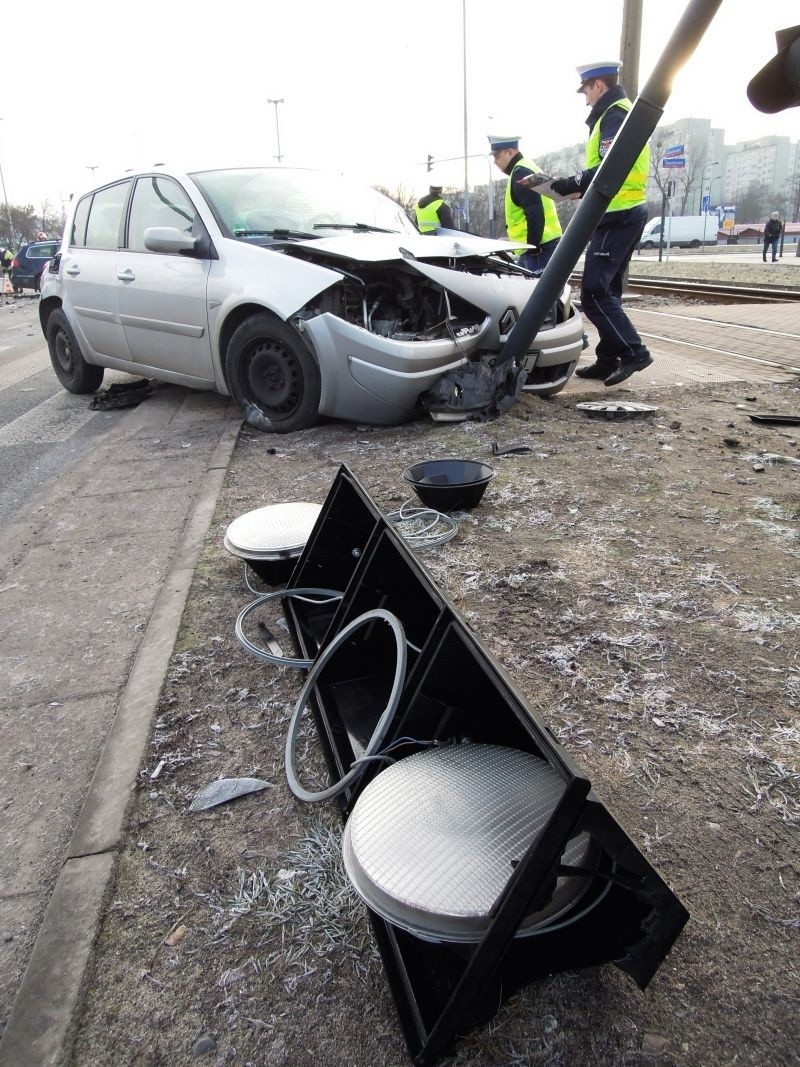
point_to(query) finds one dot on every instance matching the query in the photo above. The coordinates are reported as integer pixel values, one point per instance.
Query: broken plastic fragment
(225, 789)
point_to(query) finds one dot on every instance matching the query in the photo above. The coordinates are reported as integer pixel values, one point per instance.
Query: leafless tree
(23, 223)
(402, 196)
(793, 197)
(755, 204)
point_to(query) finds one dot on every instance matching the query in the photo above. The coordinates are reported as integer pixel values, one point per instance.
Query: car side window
(105, 217)
(158, 201)
(77, 238)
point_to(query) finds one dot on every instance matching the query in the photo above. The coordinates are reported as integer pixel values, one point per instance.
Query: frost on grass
(307, 897)
(766, 620)
(772, 772)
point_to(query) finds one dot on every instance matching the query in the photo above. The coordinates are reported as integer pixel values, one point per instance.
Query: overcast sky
(368, 87)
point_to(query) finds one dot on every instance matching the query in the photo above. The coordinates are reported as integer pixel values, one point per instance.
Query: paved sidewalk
(93, 579)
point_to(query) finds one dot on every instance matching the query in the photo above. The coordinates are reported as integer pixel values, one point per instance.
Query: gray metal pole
(629, 46)
(279, 157)
(633, 136)
(12, 236)
(466, 169)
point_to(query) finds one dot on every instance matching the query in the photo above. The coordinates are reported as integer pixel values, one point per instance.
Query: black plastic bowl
(449, 484)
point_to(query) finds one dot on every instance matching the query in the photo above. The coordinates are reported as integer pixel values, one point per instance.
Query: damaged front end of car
(392, 327)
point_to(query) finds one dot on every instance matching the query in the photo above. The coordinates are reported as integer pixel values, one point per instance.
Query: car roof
(186, 171)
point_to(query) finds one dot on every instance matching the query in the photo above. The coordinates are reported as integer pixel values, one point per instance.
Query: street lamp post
(703, 194)
(92, 167)
(11, 234)
(279, 157)
(464, 49)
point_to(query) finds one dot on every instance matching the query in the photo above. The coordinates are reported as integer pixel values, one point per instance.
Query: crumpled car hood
(492, 293)
(384, 247)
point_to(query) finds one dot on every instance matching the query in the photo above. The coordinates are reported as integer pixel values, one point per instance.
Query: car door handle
(126, 275)
(73, 272)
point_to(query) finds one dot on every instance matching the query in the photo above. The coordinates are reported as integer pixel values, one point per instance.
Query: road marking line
(21, 369)
(721, 351)
(51, 421)
(715, 322)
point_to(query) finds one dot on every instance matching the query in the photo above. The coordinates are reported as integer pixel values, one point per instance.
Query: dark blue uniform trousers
(537, 261)
(607, 256)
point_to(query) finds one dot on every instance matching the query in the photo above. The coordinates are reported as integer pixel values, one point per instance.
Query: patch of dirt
(639, 581)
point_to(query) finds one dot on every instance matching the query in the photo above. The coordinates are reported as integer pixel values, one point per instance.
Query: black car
(29, 262)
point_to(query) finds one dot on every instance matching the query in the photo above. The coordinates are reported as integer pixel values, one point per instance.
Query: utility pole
(630, 40)
(629, 46)
(279, 157)
(466, 172)
(11, 235)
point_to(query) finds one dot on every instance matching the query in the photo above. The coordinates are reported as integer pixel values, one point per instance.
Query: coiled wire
(422, 527)
(327, 596)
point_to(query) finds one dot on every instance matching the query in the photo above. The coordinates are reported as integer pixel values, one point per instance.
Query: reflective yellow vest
(517, 224)
(428, 217)
(633, 188)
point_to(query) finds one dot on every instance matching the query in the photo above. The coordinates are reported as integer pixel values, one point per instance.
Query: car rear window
(43, 251)
(105, 216)
(78, 235)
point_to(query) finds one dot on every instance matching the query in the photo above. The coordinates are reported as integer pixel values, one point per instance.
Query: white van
(682, 231)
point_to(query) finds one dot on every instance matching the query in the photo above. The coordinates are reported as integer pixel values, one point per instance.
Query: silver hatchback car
(294, 291)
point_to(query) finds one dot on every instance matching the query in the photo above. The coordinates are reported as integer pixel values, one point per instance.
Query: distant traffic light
(430, 163)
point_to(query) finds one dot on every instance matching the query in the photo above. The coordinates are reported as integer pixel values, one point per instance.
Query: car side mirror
(168, 239)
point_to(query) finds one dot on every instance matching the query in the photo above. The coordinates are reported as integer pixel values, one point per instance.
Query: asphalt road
(42, 427)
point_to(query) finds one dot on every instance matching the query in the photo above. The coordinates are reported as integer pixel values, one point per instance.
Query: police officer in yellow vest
(530, 218)
(433, 212)
(620, 352)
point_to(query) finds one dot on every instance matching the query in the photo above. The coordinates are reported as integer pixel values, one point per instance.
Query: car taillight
(14, 262)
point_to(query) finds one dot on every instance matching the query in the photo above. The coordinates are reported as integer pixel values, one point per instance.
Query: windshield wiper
(363, 226)
(274, 233)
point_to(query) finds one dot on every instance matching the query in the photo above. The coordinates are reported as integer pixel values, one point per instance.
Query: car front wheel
(72, 370)
(272, 376)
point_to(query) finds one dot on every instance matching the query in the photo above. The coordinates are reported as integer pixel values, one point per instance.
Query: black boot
(600, 369)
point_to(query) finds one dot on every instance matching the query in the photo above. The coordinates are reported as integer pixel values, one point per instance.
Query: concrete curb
(44, 1013)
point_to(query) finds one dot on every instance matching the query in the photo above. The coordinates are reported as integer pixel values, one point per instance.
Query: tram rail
(720, 293)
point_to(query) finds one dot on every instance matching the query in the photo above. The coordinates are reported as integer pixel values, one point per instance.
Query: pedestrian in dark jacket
(772, 234)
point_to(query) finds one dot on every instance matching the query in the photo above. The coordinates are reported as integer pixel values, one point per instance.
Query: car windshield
(252, 204)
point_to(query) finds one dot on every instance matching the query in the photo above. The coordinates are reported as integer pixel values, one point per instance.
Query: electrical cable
(573, 917)
(276, 657)
(378, 734)
(406, 521)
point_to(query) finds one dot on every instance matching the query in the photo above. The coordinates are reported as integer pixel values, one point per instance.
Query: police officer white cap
(589, 71)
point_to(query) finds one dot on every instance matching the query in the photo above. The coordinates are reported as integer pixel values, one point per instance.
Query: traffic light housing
(776, 87)
(430, 163)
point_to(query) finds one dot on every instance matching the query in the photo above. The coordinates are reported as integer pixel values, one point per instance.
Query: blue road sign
(706, 204)
(673, 161)
(674, 150)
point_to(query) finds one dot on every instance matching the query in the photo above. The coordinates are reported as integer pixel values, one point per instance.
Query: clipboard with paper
(543, 183)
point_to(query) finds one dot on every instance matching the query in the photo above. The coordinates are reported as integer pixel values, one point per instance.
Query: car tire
(72, 370)
(273, 376)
